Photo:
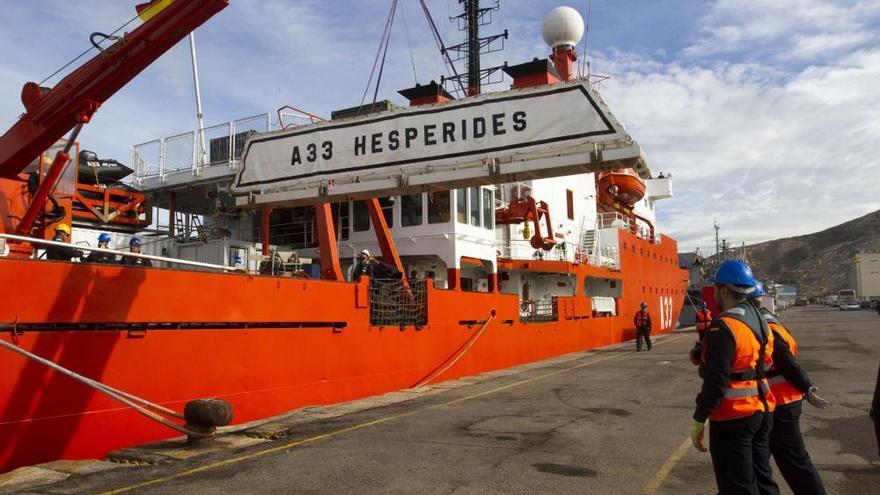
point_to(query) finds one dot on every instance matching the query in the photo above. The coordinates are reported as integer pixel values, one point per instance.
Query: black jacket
(96, 257)
(720, 350)
(130, 261)
(62, 253)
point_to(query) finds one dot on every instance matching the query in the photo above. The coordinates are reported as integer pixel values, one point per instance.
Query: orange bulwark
(266, 344)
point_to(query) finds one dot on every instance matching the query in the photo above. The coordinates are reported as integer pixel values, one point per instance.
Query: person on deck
(62, 253)
(365, 265)
(99, 257)
(134, 246)
(735, 396)
(642, 321)
(789, 385)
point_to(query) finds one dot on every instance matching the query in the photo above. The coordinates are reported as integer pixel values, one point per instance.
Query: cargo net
(540, 310)
(394, 304)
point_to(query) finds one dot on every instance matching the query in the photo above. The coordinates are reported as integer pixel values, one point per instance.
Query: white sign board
(499, 137)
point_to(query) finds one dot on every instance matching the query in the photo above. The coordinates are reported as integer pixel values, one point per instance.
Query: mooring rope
(455, 358)
(139, 404)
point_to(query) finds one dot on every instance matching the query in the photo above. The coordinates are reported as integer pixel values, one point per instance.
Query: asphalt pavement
(605, 421)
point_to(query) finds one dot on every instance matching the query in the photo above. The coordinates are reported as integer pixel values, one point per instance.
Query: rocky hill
(818, 264)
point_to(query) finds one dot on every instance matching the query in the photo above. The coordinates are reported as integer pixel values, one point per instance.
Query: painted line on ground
(367, 424)
(660, 476)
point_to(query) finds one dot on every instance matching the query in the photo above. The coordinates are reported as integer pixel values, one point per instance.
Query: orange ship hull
(265, 344)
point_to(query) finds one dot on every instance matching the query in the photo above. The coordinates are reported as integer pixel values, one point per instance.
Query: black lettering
(479, 127)
(295, 159)
(394, 140)
(360, 145)
(448, 132)
(409, 134)
(519, 121)
(376, 142)
(498, 124)
(464, 130)
(328, 150)
(429, 134)
(312, 149)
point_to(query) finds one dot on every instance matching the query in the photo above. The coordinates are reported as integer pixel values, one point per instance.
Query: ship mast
(472, 17)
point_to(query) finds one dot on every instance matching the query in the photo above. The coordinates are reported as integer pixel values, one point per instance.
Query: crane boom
(51, 113)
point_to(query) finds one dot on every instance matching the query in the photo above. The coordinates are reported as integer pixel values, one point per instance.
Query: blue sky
(764, 111)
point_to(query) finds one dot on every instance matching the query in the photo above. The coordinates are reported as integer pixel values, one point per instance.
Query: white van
(847, 299)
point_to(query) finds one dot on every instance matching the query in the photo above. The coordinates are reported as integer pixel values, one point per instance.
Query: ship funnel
(563, 28)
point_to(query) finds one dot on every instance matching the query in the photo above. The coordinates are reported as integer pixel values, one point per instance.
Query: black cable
(110, 36)
(382, 63)
(104, 37)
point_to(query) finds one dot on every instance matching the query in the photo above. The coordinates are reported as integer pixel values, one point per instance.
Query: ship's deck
(604, 421)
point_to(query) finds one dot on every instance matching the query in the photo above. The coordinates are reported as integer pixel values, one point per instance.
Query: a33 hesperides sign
(508, 136)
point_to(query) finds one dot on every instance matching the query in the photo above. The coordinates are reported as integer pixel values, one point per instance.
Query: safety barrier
(540, 310)
(221, 144)
(394, 303)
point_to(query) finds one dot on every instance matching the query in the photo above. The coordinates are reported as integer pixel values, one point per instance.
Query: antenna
(717, 245)
(470, 20)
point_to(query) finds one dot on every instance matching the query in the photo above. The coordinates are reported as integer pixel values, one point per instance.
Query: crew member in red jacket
(642, 321)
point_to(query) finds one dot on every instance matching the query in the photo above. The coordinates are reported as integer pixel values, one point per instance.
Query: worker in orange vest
(735, 396)
(704, 318)
(874, 412)
(642, 321)
(789, 384)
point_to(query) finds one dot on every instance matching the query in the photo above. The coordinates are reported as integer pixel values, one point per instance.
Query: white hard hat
(365, 252)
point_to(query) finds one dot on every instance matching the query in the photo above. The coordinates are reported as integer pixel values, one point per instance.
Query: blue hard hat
(134, 242)
(104, 237)
(736, 274)
(758, 292)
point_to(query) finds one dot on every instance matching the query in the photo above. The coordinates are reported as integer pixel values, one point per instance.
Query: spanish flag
(147, 11)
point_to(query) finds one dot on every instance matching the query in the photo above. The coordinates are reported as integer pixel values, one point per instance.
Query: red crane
(51, 112)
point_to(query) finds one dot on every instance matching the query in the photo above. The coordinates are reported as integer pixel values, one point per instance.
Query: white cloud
(786, 29)
(767, 149)
(768, 159)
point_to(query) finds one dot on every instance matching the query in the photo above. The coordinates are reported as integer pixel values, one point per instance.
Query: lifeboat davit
(622, 185)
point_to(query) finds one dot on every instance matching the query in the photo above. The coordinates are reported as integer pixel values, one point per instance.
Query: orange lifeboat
(620, 185)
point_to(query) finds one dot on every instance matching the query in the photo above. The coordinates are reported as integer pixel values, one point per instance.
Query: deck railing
(538, 311)
(193, 151)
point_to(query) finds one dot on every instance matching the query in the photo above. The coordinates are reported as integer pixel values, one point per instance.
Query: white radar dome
(562, 26)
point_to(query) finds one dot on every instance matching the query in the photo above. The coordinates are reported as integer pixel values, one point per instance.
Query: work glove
(697, 430)
(814, 399)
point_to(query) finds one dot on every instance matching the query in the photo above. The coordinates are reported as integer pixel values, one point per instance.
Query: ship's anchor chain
(201, 416)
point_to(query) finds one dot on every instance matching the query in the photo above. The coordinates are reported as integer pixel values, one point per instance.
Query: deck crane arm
(51, 113)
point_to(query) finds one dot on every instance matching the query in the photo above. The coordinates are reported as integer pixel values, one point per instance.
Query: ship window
(488, 209)
(474, 206)
(461, 205)
(387, 206)
(569, 202)
(361, 216)
(410, 210)
(341, 216)
(438, 207)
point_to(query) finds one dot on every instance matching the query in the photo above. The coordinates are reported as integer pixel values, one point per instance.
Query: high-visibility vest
(642, 319)
(783, 391)
(703, 319)
(742, 397)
